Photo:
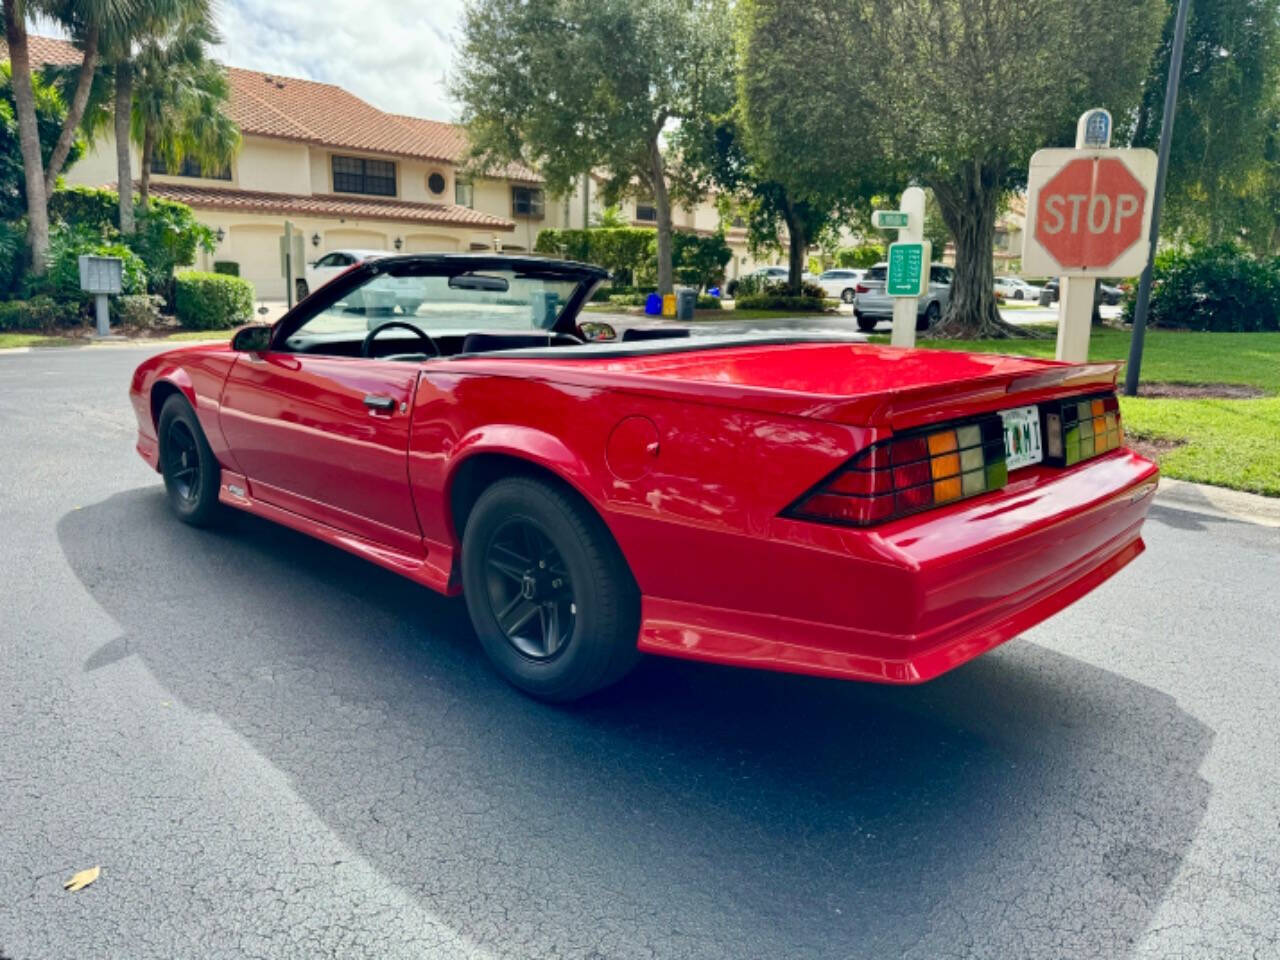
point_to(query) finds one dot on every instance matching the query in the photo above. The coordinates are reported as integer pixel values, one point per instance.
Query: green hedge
(1221, 288)
(39, 313)
(62, 279)
(780, 301)
(864, 255)
(630, 253)
(226, 267)
(212, 301)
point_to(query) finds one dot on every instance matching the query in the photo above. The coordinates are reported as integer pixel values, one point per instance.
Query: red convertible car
(803, 503)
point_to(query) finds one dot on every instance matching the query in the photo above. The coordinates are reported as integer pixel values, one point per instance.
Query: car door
(940, 285)
(326, 437)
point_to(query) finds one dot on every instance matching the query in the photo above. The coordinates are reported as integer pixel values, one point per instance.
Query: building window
(435, 183)
(647, 212)
(464, 193)
(359, 175)
(189, 168)
(527, 202)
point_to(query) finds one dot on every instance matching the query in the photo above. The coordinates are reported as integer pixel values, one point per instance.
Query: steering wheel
(367, 344)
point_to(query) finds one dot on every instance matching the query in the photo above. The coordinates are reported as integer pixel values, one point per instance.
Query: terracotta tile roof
(289, 108)
(328, 205)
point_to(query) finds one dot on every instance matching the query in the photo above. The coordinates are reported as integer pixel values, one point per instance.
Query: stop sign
(1088, 212)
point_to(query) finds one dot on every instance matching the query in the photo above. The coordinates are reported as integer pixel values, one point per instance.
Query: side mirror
(255, 338)
(593, 331)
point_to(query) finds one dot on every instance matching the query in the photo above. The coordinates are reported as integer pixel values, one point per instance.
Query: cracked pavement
(275, 750)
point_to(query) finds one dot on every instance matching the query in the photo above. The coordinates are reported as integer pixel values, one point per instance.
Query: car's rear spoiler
(934, 403)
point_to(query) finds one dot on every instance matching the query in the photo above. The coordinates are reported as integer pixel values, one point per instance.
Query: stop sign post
(1088, 216)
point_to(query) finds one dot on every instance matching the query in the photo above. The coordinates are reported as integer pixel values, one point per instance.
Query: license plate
(1022, 446)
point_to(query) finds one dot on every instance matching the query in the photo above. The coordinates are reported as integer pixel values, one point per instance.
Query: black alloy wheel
(183, 462)
(530, 590)
(191, 472)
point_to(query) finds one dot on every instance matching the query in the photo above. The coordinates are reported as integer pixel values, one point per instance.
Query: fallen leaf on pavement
(82, 879)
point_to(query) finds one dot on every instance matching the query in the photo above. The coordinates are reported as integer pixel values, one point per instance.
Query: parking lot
(273, 749)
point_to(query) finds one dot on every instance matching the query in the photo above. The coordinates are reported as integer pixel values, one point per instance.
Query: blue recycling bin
(653, 305)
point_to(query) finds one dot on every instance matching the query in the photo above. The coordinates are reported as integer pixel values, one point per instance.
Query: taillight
(862, 288)
(911, 472)
(1078, 429)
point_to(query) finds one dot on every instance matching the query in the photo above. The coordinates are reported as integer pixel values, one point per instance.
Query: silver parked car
(872, 304)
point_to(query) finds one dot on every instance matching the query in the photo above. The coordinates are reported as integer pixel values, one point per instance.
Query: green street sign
(908, 269)
(890, 219)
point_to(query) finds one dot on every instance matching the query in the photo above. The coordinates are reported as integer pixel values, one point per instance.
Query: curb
(1219, 502)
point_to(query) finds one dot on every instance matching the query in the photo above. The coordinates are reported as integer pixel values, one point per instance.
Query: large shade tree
(569, 86)
(956, 96)
(51, 113)
(1222, 163)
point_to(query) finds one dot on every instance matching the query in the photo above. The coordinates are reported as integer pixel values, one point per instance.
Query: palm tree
(88, 22)
(179, 100)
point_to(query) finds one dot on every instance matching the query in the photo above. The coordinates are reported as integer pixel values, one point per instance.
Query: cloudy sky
(396, 55)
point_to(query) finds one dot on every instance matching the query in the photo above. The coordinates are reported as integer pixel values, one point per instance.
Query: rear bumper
(918, 597)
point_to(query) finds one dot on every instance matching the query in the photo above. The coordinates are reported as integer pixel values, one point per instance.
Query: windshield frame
(586, 277)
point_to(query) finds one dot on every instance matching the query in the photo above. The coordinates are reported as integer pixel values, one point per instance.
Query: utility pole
(1162, 166)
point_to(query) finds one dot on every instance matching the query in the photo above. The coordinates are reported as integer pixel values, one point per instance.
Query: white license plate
(1022, 445)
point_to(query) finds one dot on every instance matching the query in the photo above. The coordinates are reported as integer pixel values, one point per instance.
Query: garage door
(430, 243)
(354, 240)
(257, 249)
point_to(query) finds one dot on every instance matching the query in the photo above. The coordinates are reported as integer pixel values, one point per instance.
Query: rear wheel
(190, 470)
(846, 295)
(549, 593)
(300, 289)
(865, 324)
(930, 316)
(1017, 294)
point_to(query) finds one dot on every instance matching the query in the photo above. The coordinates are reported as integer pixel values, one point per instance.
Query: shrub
(1218, 288)
(141, 310)
(227, 267)
(863, 255)
(628, 299)
(212, 301)
(167, 235)
(62, 279)
(630, 253)
(706, 302)
(699, 261)
(39, 313)
(12, 254)
(780, 301)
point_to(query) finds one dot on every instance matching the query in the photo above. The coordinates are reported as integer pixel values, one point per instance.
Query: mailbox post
(101, 276)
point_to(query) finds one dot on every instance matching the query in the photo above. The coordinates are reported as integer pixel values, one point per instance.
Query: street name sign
(890, 219)
(1088, 212)
(908, 269)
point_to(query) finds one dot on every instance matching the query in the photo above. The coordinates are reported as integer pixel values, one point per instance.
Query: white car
(321, 271)
(1015, 288)
(841, 283)
(776, 274)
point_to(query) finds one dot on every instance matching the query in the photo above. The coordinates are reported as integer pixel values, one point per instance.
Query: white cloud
(395, 55)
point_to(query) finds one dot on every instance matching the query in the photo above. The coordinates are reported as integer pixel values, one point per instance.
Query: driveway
(274, 750)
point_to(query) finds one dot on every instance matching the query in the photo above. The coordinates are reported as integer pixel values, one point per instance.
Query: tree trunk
(144, 174)
(124, 172)
(15, 30)
(968, 203)
(662, 203)
(797, 249)
(75, 110)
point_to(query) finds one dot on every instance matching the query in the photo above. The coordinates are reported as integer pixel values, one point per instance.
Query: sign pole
(1075, 293)
(905, 308)
(288, 263)
(1134, 367)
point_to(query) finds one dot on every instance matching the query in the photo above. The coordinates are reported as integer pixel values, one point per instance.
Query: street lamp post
(1162, 166)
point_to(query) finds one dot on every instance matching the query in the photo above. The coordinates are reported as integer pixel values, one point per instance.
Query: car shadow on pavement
(1028, 804)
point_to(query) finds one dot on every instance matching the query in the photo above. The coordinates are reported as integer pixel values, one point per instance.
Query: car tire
(931, 315)
(866, 324)
(191, 472)
(1017, 294)
(300, 290)
(529, 544)
(846, 295)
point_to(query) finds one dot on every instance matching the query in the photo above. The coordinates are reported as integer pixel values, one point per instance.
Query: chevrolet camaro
(806, 503)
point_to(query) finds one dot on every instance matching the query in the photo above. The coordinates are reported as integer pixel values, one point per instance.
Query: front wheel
(549, 593)
(190, 470)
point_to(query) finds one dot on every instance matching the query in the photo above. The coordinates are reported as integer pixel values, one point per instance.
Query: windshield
(500, 299)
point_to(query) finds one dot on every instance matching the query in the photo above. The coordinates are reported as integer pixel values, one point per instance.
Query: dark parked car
(1106, 293)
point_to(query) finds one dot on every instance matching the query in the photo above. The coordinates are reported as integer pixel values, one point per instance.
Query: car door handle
(381, 404)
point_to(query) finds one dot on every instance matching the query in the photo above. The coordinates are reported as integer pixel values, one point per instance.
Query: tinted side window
(940, 275)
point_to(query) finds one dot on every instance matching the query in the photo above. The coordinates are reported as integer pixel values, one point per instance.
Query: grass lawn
(200, 335)
(10, 340)
(1229, 443)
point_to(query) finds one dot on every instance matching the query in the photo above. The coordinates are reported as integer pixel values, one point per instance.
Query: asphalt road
(275, 750)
